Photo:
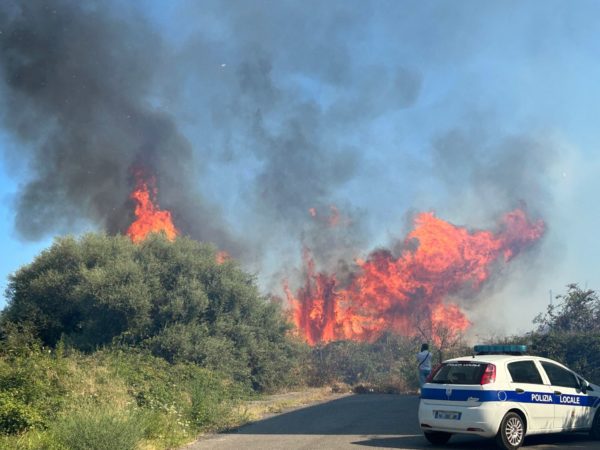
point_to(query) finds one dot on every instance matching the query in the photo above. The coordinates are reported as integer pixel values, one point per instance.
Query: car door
(570, 411)
(533, 395)
(592, 398)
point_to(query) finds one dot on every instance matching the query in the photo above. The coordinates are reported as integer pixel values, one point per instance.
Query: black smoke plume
(77, 87)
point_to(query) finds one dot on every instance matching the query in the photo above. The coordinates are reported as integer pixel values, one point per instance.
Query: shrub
(386, 365)
(15, 415)
(213, 401)
(99, 428)
(173, 298)
(31, 390)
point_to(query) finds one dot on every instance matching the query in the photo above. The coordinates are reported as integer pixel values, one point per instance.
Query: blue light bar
(500, 349)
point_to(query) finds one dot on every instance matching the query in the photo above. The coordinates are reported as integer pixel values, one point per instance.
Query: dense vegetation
(106, 344)
(109, 344)
(569, 332)
(386, 365)
(172, 298)
(109, 400)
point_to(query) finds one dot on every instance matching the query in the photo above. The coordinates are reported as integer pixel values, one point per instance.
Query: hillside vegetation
(108, 344)
(569, 332)
(172, 298)
(105, 344)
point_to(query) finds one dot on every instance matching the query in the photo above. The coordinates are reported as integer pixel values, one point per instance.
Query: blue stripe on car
(463, 395)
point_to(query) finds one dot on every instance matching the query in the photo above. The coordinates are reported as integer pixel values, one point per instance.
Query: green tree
(172, 297)
(577, 312)
(569, 332)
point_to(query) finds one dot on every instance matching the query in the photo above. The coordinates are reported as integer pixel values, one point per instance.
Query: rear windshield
(460, 372)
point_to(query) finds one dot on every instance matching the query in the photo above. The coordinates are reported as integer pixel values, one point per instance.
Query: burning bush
(409, 292)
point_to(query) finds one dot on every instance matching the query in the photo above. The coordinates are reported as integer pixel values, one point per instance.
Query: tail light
(489, 375)
(432, 373)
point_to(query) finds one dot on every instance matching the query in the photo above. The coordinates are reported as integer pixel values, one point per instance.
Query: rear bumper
(483, 420)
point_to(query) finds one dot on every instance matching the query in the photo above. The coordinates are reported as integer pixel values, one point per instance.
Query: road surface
(361, 422)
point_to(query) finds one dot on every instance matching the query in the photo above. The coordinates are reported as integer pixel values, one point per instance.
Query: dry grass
(254, 410)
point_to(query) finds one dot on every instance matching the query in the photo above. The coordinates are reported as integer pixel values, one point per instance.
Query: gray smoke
(297, 100)
(92, 90)
(77, 87)
(259, 119)
(487, 175)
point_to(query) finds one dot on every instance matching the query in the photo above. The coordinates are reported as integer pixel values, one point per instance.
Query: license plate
(449, 415)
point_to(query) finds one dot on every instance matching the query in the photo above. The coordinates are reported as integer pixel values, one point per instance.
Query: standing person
(424, 361)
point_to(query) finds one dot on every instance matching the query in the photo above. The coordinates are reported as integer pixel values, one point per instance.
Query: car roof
(499, 358)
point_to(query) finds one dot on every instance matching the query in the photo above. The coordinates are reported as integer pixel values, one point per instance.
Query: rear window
(459, 372)
(524, 372)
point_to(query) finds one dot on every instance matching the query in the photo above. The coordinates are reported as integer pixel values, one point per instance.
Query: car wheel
(595, 431)
(511, 433)
(438, 437)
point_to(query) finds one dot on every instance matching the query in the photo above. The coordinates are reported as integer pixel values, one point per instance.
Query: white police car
(503, 393)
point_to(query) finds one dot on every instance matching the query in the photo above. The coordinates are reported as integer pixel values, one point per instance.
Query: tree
(570, 332)
(577, 312)
(174, 298)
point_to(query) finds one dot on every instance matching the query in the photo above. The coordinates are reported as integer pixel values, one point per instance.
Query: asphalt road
(361, 422)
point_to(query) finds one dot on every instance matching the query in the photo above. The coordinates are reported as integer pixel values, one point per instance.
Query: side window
(524, 372)
(582, 382)
(559, 376)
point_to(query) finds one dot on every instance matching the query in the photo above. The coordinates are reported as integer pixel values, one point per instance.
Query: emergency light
(500, 349)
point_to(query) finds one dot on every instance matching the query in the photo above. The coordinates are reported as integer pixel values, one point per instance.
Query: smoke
(492, 174)
(269, 126)
(77, 86)
(82, 84)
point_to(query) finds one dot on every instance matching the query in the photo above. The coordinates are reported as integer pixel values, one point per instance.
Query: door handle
(519, 390)
(557, 393)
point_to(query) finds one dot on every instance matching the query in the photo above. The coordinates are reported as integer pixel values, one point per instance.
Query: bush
(580, 352)
(387, 365)
(16, 416)
(212, 402)
(99, 428)
(65, 399)
(31, 390)
(173, 298)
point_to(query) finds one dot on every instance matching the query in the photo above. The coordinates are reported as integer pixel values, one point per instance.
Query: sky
(251, 113)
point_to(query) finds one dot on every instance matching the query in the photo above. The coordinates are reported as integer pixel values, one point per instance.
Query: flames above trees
(409, 293)
(149, 217)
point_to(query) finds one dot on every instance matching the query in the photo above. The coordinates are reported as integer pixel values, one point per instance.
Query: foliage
(580, 352)
(99, 428)
(578, 312)
(171, 297)
(31, 389)
(388, 364)
(16, 415)
(569, 332)
(116, 398)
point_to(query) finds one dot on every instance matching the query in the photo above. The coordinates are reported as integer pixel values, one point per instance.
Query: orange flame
(333, 220)
(222, 256)
(408, 294)
(149, 217)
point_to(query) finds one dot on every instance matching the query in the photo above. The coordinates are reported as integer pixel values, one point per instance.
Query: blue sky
(466, 108)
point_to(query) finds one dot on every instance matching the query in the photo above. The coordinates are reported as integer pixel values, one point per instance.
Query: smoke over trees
(78, 80)
(268, 128)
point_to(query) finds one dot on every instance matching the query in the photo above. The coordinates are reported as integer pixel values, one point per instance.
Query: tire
(595, 430)
(438, 437)
(511, 433)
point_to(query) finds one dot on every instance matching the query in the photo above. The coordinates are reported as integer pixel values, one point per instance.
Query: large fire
(149, 217)
(410, 293)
